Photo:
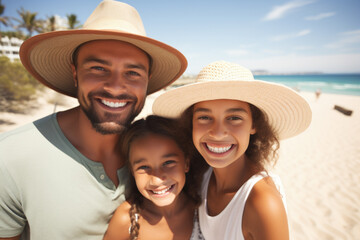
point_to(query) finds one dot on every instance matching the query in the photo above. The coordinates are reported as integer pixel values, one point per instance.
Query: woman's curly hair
(264, 144)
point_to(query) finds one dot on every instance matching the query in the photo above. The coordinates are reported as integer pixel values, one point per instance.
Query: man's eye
(98, 68)
(133, 73)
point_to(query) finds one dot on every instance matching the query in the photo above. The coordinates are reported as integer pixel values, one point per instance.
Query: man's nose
(115, 84)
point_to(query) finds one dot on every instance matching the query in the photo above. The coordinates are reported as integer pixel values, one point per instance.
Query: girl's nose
(157, 178)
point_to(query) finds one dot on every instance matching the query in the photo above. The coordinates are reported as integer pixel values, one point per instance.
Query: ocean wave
(346, 86)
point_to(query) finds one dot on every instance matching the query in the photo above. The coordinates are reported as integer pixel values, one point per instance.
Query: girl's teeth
(162, 191)
(113, 104)
(218, 149)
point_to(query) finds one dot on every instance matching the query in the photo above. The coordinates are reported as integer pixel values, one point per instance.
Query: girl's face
(221, 130)
(159, 168)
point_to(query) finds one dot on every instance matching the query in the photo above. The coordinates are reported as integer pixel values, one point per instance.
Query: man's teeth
(162, 191)
(113, 104)
(218, 149)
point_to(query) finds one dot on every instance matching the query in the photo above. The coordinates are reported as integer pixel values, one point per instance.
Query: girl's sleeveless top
(196, 232)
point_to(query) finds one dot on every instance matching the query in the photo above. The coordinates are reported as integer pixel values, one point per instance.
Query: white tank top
(228, 223)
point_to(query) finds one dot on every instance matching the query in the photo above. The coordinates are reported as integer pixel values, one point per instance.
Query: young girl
(163, 195)
(236, 123)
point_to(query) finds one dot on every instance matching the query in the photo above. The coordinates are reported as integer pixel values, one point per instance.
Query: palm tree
(72, 21)
(48, 25)
(28, 21)
(3, 20)
(52, 23)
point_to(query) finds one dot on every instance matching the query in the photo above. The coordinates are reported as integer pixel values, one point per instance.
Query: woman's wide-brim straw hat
(48, 56)
(287, 112)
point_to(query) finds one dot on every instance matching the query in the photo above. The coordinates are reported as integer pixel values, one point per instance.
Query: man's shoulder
(24, 130)
(17, 132)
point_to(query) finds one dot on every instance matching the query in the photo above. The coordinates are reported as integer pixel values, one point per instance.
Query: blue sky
(279, 36)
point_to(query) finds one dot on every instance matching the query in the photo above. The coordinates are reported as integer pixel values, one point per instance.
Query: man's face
(112, 79)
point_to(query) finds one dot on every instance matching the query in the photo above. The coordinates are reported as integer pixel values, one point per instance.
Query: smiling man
(61, 177)
(112, 79)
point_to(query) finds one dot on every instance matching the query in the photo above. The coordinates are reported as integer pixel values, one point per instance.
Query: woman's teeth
(218, 149)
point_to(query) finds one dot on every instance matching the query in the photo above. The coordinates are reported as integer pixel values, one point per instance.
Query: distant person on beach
(62, 177)
(165, 183)
(317, 93)
(236, 124)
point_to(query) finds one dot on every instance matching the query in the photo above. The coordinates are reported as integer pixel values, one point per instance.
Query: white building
(10, 47)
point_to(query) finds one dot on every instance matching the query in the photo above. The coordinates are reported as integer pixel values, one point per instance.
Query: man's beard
(110, 124)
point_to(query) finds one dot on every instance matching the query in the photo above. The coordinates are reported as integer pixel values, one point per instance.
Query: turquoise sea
(347, 84)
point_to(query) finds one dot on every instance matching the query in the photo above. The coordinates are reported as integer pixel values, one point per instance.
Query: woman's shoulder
(265, 191)
(265, 207)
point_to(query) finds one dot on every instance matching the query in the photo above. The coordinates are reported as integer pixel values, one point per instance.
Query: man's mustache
(104, 94)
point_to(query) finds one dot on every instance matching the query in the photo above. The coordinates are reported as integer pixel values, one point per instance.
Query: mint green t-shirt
(49, 190)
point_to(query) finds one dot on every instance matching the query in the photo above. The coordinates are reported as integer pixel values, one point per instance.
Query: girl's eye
(169, 163)
(143, 168)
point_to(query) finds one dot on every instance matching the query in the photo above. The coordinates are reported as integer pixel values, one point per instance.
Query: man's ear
(73, 70)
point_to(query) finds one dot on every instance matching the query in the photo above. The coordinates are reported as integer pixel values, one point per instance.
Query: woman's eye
(234, 118)
(203, 118)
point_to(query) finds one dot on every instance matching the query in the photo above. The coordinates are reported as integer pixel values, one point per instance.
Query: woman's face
(159, 167)
(221, 130)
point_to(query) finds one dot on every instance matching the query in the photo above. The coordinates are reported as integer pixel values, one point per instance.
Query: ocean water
(347, 84)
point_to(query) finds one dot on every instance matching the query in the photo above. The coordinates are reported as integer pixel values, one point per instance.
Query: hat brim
(287, 112)
(48, 57)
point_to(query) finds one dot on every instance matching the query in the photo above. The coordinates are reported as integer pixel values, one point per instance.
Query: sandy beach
(319, 168)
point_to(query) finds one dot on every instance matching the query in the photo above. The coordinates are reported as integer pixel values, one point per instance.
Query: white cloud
(335, 63)
(236, 52)
(295, 63)
(279, 11)
(320, 16)
(61, 22)
(346, 39)
(291, 35)
(240, 50)
(352, 33)
(301, 48)
(272, 51)
(303, 33)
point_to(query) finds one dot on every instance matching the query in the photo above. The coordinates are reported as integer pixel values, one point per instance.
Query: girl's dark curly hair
(171, 129)
(263, 145)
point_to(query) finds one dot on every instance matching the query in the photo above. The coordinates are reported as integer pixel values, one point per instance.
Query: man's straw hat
(288, 113)
(48, 56)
